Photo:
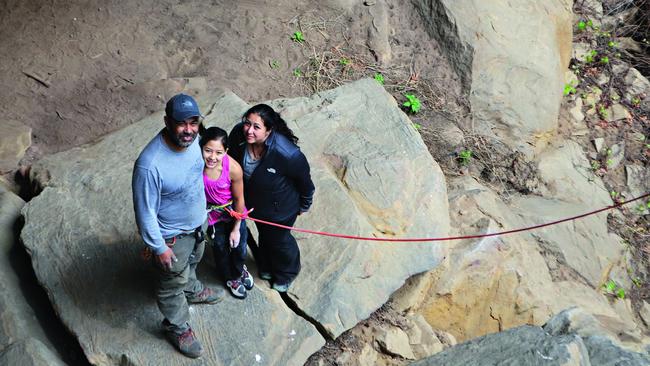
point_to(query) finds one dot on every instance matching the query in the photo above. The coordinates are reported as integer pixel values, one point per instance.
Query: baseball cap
(181, 107)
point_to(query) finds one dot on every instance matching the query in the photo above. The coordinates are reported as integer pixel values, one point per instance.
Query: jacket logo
(271, 170)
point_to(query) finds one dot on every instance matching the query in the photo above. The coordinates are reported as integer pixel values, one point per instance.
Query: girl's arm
(237, 191)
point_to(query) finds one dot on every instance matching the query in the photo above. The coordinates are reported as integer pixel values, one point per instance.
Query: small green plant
(613, 194)
(604, 60)
(609, 162)
(636, 101)
(589, 58)
(610, 287)
(465, 156)
(412, 103)
(275, 64)
(298, 37)
(612, 44)
(602, 111)
(297, 72)
(582, 25)
(417, 126)
(595, 165)
(345, 61)
(590, 23)
(379, 78)
(569, 89)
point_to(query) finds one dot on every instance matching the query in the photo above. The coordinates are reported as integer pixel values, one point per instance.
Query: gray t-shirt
(249, 164)
(168, 195)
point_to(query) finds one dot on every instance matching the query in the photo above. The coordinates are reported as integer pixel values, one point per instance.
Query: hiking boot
(236, 288)
(266, 276)
(281, 287)
(246, 279)
(206, 296)
(186, 343)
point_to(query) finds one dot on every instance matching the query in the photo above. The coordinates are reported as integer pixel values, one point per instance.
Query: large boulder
(374, 177)
(511, 58)
(22, 340)
(560, 342)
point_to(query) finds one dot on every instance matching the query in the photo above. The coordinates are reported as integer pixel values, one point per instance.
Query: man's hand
(234, 238)
(165, 259)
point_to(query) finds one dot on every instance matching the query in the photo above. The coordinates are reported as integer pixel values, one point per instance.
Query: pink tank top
(217, 191)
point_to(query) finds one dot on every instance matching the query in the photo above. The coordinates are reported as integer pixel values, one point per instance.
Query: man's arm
(146, 201)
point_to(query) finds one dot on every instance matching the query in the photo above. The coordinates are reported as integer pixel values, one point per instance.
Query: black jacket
(281, 185)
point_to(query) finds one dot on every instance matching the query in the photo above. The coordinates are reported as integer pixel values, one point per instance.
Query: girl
(223, 180)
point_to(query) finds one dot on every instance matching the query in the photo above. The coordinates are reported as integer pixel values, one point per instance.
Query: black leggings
(277, 252)
(229, 261)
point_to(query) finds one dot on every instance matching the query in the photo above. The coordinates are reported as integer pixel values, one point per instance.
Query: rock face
(82, 236)
(493, 284)
(22, 341)
(511, 58)
(15, 139)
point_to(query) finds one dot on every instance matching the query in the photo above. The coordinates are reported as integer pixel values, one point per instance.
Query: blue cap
(181, 107)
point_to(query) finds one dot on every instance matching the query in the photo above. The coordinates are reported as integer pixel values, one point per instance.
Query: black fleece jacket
(281, 185)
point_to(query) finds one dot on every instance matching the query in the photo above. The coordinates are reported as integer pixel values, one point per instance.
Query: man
(170, 211)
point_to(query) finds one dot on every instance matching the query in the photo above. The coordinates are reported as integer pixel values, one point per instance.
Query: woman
(277, 184)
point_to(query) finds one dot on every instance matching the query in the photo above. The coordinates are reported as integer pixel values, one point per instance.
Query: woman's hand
(234, 237)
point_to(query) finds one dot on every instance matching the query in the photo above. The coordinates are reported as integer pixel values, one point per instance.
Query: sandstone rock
(617, 112)
(645, 313)
(496, 283)
(576, 111)
(615, 155)
(368, 355)
(29, 352)
(22, 340)
(580, 50)
(378, 32)
(395, 342)
(341, 282)
(349, 280)
(576, 320)
(591, 99)
(602, 79)
(638, 182)
(423, 340)
(602, 351)
(628, 43)
(514, 86)
(14, 141)
(598, 144)
(636, 83)
(526, 345)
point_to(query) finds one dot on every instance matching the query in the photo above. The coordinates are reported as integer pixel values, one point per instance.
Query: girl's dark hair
(272, 121)
(212, 133)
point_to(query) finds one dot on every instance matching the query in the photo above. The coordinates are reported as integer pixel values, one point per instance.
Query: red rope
(245, 216)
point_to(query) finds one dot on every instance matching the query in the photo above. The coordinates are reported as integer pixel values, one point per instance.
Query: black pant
(278, 252)
(229, 261)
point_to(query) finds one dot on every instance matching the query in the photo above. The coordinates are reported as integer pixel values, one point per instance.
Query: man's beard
(178, 138)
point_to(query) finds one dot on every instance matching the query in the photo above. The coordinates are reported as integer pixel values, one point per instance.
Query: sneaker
(236, 288)
(281, 287)
(186, 343)
(246, 279)
(266, 276)
(206, 296)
